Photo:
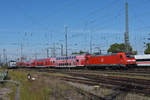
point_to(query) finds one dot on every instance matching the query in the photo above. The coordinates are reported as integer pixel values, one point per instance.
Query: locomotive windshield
(129, 56)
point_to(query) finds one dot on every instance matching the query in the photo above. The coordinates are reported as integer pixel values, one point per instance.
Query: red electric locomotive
(110, 60)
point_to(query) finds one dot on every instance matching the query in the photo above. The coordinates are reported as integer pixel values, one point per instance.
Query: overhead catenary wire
(97, 10)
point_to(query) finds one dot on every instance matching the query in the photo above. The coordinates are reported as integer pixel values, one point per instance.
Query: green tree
(147, 50)
(115, 48)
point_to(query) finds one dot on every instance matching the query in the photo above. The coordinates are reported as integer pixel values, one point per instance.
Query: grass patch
(46, 86)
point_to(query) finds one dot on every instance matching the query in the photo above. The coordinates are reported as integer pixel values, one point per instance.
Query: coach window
(77, 60)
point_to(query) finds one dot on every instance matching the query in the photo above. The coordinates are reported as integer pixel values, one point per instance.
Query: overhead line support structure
(126, 34)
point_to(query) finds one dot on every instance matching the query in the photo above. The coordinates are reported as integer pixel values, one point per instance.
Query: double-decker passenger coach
(71, 61)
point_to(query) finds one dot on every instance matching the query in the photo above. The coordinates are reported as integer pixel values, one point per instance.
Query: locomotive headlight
(130, 60)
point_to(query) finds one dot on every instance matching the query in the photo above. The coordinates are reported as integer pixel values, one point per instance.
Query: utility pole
(6, 59)
(4, 56)
(66, 37)
(126, 34)
(0, 59)
(91, 43)
(62, 50)
(47, 51)
(21, 51)
(54, 50)
(90, 46)
(35, 55)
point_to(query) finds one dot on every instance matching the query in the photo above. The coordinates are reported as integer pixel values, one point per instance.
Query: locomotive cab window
(77, 60)
(129, 56)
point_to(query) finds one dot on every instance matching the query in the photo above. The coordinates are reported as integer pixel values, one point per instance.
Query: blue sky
(38, 24)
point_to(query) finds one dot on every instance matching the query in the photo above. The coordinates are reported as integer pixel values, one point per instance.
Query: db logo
(102, 60)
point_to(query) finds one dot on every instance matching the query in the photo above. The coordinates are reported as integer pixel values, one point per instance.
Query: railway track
(124, 84)
(116, 86)
(116, 83)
